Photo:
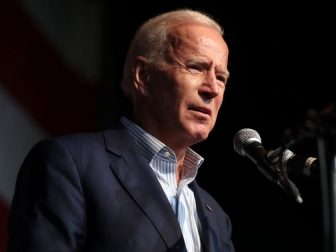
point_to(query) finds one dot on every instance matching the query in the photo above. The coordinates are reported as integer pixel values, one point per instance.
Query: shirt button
(166, 154)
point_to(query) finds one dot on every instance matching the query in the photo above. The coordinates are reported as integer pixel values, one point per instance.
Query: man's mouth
(202, 110)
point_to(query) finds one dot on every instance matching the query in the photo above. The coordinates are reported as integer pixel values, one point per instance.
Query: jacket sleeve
(47, 211)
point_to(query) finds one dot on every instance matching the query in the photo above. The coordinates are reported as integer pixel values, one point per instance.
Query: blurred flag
(50, 61)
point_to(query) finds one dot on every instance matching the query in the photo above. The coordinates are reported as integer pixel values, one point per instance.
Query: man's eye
(222, 79)
(194, 68)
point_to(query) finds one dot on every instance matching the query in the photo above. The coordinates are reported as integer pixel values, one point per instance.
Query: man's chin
(197, 132)
(200, 136)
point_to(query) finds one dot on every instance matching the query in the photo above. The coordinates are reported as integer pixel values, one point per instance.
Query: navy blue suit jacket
(95, 192)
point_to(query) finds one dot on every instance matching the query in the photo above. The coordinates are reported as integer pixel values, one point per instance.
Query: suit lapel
(207, 219)
(143, 185)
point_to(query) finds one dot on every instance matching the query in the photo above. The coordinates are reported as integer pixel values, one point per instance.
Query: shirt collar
(151, 146)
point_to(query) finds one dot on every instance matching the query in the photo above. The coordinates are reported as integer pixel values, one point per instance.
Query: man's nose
(211, 84)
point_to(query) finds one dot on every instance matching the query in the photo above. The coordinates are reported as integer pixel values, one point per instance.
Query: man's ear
(140, 73)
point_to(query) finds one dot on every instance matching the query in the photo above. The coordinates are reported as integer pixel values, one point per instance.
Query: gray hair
(150, 40)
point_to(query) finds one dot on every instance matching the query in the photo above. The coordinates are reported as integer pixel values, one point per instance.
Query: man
(132, 187)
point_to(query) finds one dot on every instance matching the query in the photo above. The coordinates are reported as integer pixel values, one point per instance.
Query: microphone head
(286, 155)
(243, 138)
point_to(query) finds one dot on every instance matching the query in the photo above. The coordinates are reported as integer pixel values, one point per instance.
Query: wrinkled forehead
(179, 27)
(199, 40)
(194, 33)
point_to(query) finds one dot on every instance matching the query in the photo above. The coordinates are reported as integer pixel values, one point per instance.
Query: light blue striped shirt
(163, 162)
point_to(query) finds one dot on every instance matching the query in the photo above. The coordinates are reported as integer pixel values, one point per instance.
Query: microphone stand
(326, 146)
(322, 127)
(327, 182)
(333, 183)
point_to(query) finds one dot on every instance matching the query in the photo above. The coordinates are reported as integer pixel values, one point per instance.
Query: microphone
(247, 142)
(299, 165)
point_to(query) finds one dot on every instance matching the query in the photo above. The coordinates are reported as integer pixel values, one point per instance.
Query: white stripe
(18, 133)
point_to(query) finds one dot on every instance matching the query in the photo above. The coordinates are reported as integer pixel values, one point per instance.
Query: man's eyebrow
(206, 62)
(224, 72)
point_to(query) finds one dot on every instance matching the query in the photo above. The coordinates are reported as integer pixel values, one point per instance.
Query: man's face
(186, 91)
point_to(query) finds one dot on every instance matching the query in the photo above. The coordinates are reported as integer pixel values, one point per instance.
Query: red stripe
(57, 97)
(4, 210)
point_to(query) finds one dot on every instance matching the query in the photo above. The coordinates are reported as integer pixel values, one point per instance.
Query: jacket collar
(142, 185)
